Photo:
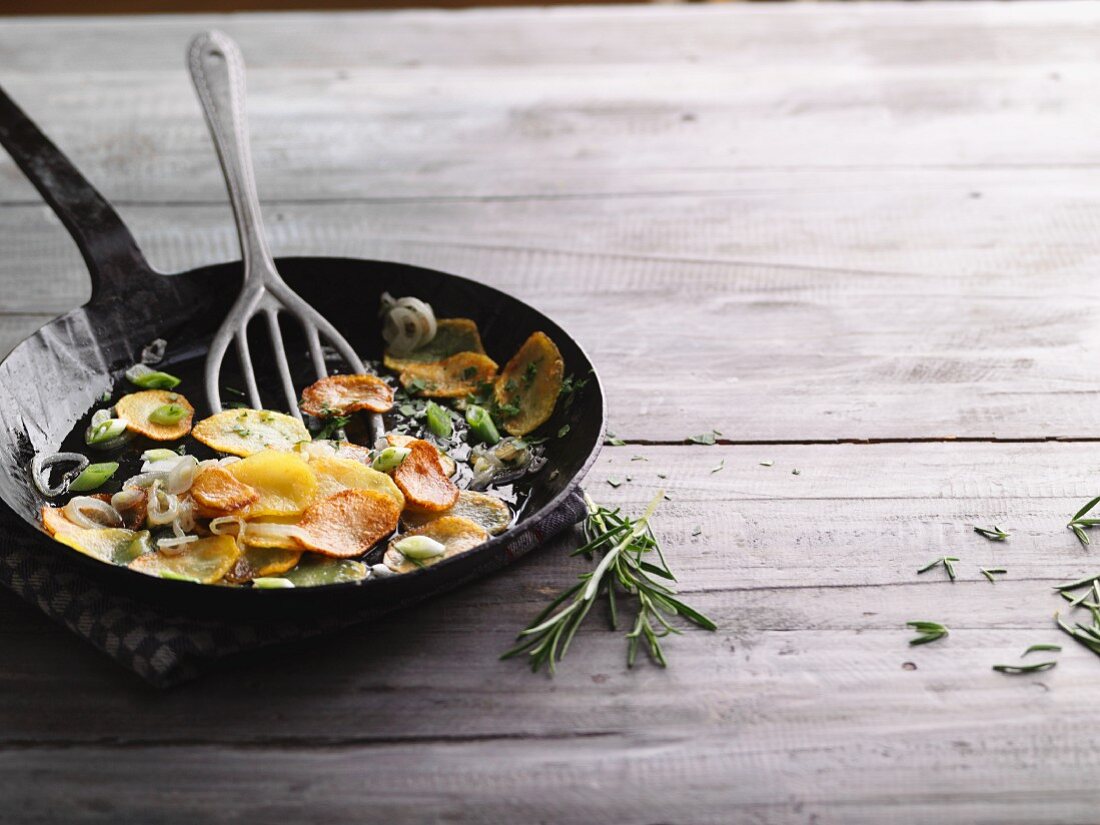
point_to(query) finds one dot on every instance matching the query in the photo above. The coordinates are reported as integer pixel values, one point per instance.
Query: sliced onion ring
(127, 498)
(223, 526)
(271, 530)
(145, 479)
(78, 509)
(175, 544)
(181, 475)
(163, 506)
(40, 471)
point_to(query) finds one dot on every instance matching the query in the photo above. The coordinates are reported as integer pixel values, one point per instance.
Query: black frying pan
(51, 381)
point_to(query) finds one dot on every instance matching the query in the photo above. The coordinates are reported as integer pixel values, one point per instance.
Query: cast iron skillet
(51, 381)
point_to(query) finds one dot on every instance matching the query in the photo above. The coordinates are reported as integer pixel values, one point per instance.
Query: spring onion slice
(439, 420)
(160, 454)
(167, 414)
(40, 471)
(389, 459)
(149, 379)
(419, 547)
(271, 583)
(481, 424)
(93, 476)
(104, 429)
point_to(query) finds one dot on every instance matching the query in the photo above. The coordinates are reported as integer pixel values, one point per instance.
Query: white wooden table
(859, 240)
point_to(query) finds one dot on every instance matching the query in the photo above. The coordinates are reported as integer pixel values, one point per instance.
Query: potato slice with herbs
(452, 336)
(456, 534)
(422, 479)
(488, 511)
(284, 482)
(313, 571)
(161, 415)
(246, 432)
(348, 523)
(204, 561)
(528, 388)
(343, 394)
(336, 474)
(400, 440)
(217, 492)
(257, 562)
(114, 545)
(454, 377)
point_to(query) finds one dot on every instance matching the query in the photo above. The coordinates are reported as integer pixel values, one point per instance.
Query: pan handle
(109, 249)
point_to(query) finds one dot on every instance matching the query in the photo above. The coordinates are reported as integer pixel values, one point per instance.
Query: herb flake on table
(631, 568)
(993, 533)
(709, 439)
(929, 632)
(1018, 669)
(1038, 648)
(767, 463)
(717, 469)
(989, 572)
(948, 563)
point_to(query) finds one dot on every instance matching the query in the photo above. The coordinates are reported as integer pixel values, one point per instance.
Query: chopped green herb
(564, 431)
(531, 371)
(508, 410)
(1037, 648)
(241, 430)
(332, 426)
(417, 386)
(510, 385)
(946, 561)
(929, 632)
(993, 533)
(1016, 669)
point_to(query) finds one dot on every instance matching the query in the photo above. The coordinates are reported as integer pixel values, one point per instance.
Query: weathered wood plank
(886, 309)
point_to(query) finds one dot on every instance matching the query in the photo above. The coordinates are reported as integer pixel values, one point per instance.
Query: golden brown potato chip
(400, 440)
(245, 432)
(336, 474)
(452, 336)
(205, 560)
(422, 479)
(284, 482)
(218, 493)
(488, 511)
(136, 408)
(349, 523)
(528, 389)
(456, 534)
(343, 394)
(255, 562)
(454, 377)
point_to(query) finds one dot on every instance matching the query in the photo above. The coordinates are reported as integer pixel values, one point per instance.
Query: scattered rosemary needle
(614, 482)
(989, 572)
(1037, 648)
(698, 531)
(718, 468)
(638, 458)
(993, 533)
(631, 563)
(1016, 669)
(767, 463)
(929, 632)
(1078, 523)
(948, 563)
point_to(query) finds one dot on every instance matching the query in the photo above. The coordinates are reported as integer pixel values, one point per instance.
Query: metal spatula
(217, 70)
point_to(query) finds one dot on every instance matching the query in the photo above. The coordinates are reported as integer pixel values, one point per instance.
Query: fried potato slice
(256, 562)
(218, 493)
(327, 448)
(530, 384)
(400, 440)
(453, 377)
(343, 394)
(113, 545)
(348, 523)
(336, 474)
(246, 432)
(136, 408)
(488, 511)
(284, 482)
(456, 534)
(205, 561)
(452, 336)
(422, 479)
(313, 571)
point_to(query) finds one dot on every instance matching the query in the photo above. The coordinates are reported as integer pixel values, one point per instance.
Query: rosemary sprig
(1078, 523)
(631, 560)
(1037, 648)
(929, 632)
(990, 571)
(993, 533)
(946, 561)
(1016, 669)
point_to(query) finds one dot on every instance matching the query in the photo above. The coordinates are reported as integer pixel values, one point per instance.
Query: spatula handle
(217, 70)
